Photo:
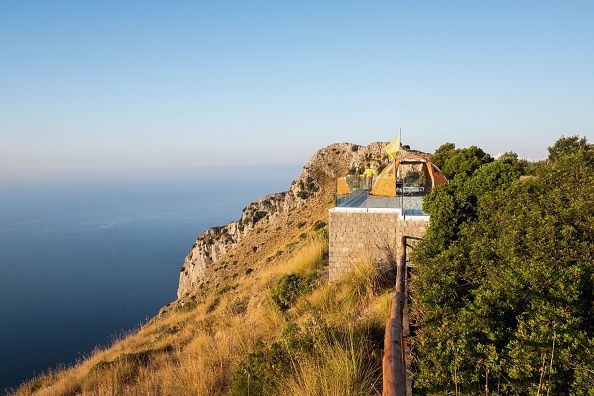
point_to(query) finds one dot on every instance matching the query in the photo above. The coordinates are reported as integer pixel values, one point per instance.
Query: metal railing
(354, 192)
(394, 366)
(394, 362)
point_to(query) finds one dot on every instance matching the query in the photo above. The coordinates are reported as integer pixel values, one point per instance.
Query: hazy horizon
(86, 85)
(87, 259)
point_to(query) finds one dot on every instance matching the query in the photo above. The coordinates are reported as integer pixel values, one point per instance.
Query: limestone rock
(317, 177)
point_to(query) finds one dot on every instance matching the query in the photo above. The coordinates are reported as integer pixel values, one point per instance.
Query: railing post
(394, 364)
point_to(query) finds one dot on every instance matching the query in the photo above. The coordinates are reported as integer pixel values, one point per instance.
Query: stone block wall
(358, 233)
(412, 226)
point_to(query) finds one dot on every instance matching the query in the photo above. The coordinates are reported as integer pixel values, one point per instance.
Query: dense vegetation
(452, 161)
(503, 298)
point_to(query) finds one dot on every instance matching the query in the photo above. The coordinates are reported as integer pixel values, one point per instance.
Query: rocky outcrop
(214, 243)
(317, 178)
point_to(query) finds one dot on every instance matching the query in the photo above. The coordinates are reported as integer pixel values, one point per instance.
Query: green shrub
(239, 306)
(296, 341)
(188, 305)
(263, 371)
(288, 288)
(259, 215)
(260, 372)
(503, 297)
(225, 289)
(318, 225)
(302, 194)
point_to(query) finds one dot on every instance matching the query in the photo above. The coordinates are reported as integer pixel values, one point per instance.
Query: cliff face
(214, 243)
(314, 188)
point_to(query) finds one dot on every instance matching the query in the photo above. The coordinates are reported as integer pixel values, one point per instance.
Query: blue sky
(147, 84)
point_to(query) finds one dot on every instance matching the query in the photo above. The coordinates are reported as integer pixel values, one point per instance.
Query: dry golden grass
(194, 345)
(339, 367)
(365, 280)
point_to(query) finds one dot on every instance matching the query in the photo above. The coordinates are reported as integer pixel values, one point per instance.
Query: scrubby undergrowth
(322, 340)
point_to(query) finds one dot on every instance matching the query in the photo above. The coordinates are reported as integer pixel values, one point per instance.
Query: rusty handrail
(393, 363)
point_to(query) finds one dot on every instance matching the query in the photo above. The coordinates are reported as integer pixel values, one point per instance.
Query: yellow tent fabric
(428, 179)
(393, 148)
(385, 185)
(342, 188)
(437, 177)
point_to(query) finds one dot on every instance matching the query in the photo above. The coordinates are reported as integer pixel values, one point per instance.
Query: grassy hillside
(503, 301)
(266, 323)
(242, 340)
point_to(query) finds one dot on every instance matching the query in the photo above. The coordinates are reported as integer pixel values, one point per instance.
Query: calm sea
(87, 256)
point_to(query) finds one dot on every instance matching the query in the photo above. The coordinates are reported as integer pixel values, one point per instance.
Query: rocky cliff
(314, 189)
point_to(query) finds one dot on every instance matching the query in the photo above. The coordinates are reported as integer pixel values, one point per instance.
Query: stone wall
(358, 233)
(411, 226)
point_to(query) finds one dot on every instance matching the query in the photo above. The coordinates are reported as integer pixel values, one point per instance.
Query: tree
(520, 164)
(568, 145)
(453, 161)
(454, 204)
(503, 294)
(441, 155)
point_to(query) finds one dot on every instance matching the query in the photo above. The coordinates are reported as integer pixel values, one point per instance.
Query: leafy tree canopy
(452, 205)
(453, 161)
(520, 164)
(569, 145)
(503, 296)
(441, 155)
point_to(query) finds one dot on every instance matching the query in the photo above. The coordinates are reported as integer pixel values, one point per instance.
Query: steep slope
(226, 315)
(298, 208)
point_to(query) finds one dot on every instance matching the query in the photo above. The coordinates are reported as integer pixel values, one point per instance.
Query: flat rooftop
(410, 203)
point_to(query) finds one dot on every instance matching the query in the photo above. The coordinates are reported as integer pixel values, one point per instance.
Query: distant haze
(86, 255)
(93, 85)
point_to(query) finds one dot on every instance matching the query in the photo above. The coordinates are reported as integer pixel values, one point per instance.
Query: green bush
(288, 288)
(319, 225)
(260, 372)
(504, 295)
(296, 341)
(302, 194)
(188, 305)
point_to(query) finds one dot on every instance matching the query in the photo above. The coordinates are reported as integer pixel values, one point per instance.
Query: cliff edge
(306, 201)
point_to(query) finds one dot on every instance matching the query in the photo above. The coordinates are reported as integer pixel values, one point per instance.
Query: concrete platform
(412, 205)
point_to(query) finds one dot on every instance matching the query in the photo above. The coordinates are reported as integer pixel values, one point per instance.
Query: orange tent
(342, 188)
(385, 185)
